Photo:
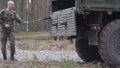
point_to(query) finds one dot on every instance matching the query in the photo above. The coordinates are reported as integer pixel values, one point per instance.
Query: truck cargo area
(62, 4)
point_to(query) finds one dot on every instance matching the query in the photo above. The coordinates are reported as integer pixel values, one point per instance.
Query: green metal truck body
(98, 5)
(64, 22)
(95, 24)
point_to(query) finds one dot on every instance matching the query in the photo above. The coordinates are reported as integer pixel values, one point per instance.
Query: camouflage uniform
(8, 17)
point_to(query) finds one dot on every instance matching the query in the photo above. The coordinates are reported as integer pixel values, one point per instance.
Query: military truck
(95, 24)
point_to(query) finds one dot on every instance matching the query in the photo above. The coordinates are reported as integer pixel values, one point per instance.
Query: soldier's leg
(12, 45)
(3, 43)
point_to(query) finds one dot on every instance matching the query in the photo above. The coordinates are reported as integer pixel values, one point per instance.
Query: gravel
(46, 55)
(43, 56)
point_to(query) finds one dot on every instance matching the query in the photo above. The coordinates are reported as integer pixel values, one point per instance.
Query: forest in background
(32, 11)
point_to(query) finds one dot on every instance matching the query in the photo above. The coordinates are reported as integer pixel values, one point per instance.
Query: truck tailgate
(63, 23)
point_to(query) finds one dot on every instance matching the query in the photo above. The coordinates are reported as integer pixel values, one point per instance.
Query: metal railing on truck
(98, 5)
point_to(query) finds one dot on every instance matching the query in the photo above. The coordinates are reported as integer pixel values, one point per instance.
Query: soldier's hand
(7, 25)
(26, 22)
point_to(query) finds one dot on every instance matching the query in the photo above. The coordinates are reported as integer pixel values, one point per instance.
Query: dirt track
(48, 52)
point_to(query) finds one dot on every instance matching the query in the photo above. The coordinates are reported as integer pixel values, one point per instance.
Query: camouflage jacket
(8, 17)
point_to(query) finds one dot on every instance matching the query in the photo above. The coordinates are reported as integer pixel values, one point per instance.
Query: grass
(30, 33)
(65, 63)
(34, 61)
(98, 65)
(68, 63)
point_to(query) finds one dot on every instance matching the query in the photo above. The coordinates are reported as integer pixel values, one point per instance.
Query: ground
(39, 50)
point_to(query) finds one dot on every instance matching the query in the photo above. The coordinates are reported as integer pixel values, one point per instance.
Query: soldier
(7, 17)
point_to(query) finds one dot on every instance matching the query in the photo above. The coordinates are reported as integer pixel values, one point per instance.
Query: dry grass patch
(30, 33)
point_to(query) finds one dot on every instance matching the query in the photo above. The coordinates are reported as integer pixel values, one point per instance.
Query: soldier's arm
(1, 18)
(17, 18)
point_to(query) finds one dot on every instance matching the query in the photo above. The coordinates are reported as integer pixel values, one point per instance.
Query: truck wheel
(109, 43)
(85, 52)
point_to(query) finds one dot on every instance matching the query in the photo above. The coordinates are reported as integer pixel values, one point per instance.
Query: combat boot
(13, 58)
(4, 57)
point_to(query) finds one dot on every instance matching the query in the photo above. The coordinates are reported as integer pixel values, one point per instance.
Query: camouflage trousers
(7, 37)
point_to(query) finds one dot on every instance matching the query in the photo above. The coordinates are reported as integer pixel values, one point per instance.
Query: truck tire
(109, 43)
(85, 52)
